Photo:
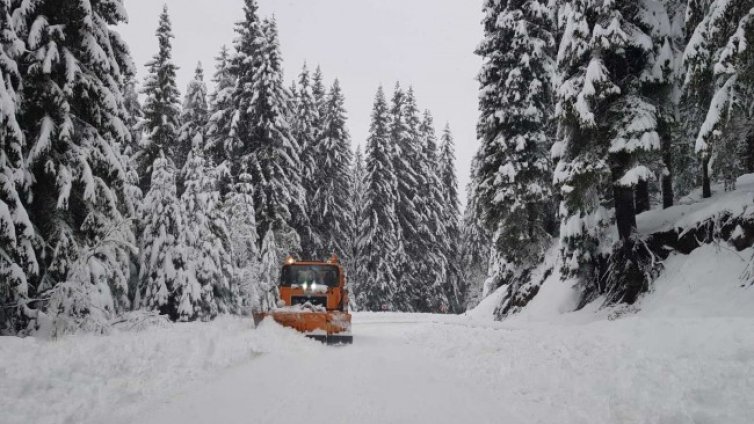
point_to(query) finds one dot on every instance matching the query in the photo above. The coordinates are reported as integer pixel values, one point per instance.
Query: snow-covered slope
(692, 209)
(708, 281)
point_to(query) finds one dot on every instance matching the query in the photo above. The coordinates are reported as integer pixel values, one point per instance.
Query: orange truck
(313, 300)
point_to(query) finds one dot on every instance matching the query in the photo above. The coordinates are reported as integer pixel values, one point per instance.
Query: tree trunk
(667, 176)
(625, 214)
(642, 197)
(750, 152)
(706, 185)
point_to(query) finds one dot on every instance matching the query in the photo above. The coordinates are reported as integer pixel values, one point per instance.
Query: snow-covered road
(433, 369)
(380, 378)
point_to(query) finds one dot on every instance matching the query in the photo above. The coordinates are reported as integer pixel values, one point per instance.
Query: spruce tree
(719, 80)
(194, 119)
(73, 116)
(357, 196)
(329, 207)
(260, 136)
(167, 282)
(18, 262)
(475, 251)
(378, 236)
(207, 238)
(449, 186)
(269, 273)
(516, 105)
(281, 196)
(134, 116)
(307, 135)
(240, 141)
(431, 204)
(244, 239)
(319, 92)
(405, 155)
(221, 110)
(162, 105)
(608, 140)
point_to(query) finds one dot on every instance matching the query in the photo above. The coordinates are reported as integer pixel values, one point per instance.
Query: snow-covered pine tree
(720, 81)
(307, 135)
(516, 103)
(221, 110)
(261, 136)
(378, 236)
(162, 107)
(431, 205)
(73, 115)
(240, 142)
(18, 262)
(239, 206)
(319, 91)
(474, 252)
(205, 234)
(194, 119)
(608, 141)
(167, 284)
(404, 128)
(453, 287)
(134, 115)
(269, 272)
(663, 81)
(357, 197)
(329, 205)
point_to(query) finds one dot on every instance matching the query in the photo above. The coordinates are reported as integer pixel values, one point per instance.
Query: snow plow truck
(313, 299)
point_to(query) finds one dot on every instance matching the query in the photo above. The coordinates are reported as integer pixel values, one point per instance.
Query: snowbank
(692, 210)
(486, 308)
(106, 379)
(706, 283)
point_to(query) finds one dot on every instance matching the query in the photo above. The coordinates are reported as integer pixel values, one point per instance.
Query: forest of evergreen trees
(593, 112)
(188, 207)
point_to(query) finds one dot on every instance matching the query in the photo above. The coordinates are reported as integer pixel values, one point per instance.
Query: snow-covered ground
(687, 356)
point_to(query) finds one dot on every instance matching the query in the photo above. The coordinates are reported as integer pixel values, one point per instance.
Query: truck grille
(314, 300)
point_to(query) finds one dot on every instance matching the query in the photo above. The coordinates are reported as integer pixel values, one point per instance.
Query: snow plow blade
(334, 339)
(331, 327)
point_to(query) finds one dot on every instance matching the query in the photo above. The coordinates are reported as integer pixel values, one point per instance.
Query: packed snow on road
(686, 361)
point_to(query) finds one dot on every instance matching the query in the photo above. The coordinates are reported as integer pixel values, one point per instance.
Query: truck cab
(313, 299)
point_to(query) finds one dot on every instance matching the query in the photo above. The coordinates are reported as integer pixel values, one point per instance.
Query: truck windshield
(318, 274)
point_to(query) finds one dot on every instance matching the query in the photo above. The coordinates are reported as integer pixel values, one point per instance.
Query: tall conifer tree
(608, 139)
(378, 235)
(162, 107)
(453, 286)
(307, 135)
(260, 137)
(404, 138)
(221, 111)
(330, 208)
(514, 176)
(194, 119)
(18, 262)
(207, 238)
(73, 71)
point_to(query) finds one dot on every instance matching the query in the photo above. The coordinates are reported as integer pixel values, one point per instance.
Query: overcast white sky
(364, 43)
